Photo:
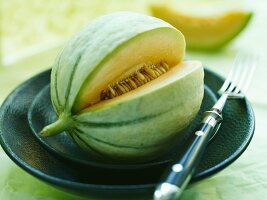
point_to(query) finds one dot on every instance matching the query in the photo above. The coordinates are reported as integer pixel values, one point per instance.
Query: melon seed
(140, 77)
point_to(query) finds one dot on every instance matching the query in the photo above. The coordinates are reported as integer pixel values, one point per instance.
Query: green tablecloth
(245, 179)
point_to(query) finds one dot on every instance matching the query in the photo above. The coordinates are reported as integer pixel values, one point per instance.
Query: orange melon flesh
(162, 44)
(165, 82)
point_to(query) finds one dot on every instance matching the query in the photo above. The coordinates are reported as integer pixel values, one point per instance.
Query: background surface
(33, 32)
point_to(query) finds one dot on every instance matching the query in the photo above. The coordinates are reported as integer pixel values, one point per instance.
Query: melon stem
(63, 123)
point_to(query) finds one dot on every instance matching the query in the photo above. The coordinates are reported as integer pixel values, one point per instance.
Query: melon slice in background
(204, 32)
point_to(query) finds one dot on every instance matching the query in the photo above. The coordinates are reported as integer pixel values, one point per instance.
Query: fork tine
(253, 64)
(239, 76)
(246, 69)
(238, 79)
(237, 71)
(230, 75)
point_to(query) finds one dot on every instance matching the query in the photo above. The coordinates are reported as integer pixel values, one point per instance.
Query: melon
(121, 89)
(204, 32)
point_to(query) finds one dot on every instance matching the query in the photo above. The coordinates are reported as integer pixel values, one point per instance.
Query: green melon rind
(92, 45)
(55, 100)
(108, 151)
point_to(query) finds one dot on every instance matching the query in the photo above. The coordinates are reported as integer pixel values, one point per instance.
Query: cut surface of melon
(163, 44)
(165, 81)
(204, 32)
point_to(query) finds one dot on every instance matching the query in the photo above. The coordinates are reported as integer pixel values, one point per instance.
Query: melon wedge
(204, 32)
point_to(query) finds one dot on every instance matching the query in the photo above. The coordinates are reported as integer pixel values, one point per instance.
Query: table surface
(246, 178)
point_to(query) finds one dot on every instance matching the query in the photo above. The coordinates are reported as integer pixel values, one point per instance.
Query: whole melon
(121, 89)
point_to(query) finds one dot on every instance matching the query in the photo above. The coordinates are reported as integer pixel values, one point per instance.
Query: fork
(179, 173)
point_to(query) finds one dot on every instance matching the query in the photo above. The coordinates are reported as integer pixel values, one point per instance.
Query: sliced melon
(121, 89)
(204, 32)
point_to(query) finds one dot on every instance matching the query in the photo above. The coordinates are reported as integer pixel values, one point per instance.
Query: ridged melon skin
(145, 126)
(85, 52)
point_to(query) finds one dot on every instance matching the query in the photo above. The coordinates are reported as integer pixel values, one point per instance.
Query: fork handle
(180, 172)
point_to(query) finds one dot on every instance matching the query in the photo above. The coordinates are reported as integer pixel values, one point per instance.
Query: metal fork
(179, 173)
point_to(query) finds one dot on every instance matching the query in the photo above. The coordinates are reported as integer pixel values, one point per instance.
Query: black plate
(24, 149)
(41, 113)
